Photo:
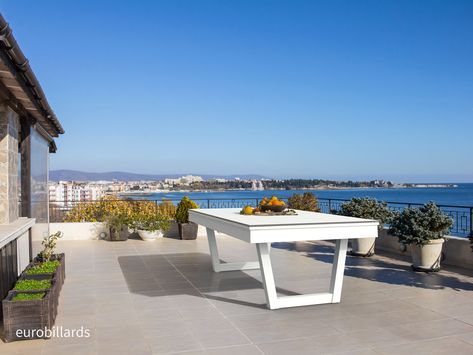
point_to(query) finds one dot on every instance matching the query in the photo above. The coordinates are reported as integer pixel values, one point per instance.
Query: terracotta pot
(427, 257)
(188, 231)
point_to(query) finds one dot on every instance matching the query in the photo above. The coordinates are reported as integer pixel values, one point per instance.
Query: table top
(303, 226)
(302, 218)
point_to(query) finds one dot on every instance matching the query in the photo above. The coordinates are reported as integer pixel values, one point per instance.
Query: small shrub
(32, 285)
(152, 223)
(28, 296)
(368, 208)
(420, 225)
(182, 211)
(116, 221)
(49, 243)
(305, 202)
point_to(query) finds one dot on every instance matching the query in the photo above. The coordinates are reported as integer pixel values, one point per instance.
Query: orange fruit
(248, 210)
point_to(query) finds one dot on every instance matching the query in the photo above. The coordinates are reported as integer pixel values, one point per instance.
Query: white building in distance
(184, 180)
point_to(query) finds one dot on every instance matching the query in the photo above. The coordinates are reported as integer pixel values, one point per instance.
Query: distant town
(66, 192)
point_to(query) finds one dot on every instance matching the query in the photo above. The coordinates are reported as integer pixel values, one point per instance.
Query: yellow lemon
(248, 210)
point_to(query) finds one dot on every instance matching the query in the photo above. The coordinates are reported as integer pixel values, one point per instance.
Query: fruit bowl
(267, 208)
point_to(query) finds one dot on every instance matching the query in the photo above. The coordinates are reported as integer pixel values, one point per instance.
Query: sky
(312, 89)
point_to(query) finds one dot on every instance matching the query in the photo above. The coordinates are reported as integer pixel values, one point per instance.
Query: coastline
(317, 188)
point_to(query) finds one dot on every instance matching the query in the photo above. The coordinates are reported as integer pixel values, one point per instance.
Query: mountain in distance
(75, 175)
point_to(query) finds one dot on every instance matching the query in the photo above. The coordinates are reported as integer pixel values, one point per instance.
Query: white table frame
(264, 260)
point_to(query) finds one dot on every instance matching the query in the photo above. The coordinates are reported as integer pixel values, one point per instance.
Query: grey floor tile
(167, 299)
(436, 346)
(235, 350)
(220, 338)
(174, 343)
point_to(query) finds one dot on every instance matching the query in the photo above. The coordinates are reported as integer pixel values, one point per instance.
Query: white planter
(363, 246)
(149, 236)
(427, 257)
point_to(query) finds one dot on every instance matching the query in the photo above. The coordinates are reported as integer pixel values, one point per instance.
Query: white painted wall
(78, 231)
(91, 230)
(23, 251)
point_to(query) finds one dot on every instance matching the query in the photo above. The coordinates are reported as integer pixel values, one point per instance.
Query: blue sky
(337, 89)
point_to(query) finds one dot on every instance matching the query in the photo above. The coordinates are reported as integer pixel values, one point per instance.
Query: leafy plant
(49, 242)
(152, 223)
(28, 296)
(32, 285)
(182, 211)
(368, 208)
(99, 211)
(47, 267)
(167, 209)
(116, 221)
(306, 202)
(420, 225)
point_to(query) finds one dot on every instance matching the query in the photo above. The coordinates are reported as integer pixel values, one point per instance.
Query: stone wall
(9, 189)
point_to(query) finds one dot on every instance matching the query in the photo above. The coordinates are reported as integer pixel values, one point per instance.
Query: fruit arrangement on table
(267, 206)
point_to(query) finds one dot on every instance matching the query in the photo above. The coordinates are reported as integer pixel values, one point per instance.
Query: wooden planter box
(59, 275)
(54, 290)
(57, 280)
(27, 316)
(188, 231)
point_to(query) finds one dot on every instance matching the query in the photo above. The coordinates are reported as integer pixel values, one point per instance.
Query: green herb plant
(32, 285)
(152, 223)
(47, 267)
(28, 296)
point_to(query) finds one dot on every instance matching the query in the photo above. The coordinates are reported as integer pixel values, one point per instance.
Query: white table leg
(275, 302)
(338, 269)
(217, 265)
(267, 274)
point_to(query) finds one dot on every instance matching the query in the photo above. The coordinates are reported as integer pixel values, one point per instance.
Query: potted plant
(117, 223)
(423, 229)
(151, 227)
(187, 230)
(368, 208)
(305, 202)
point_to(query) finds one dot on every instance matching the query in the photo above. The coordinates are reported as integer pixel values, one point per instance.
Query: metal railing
(462, 216)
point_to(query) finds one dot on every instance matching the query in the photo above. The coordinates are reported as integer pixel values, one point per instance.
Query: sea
(461, 195)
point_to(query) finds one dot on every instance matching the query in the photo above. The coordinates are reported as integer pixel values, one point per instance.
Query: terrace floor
(162, 297)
